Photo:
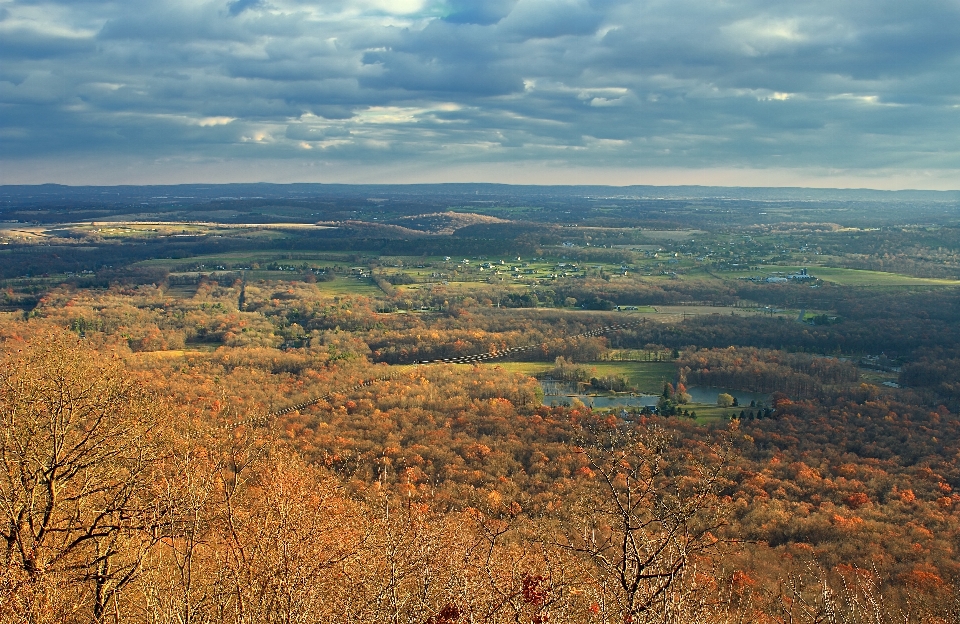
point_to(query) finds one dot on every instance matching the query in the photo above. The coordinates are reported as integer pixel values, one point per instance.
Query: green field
(858, 277)
(350, 286)
(312, 258)
(340, 285)
(646, 377)
(710, 413)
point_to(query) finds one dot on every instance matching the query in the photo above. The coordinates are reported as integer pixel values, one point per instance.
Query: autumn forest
(477, 403)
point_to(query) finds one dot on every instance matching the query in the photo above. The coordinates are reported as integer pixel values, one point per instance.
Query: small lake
(562, 393)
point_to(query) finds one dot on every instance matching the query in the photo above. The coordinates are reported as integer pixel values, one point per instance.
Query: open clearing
(246, 258)
(859, 277)
(646, 377)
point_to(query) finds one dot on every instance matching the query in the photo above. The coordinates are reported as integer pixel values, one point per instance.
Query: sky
(829, 93)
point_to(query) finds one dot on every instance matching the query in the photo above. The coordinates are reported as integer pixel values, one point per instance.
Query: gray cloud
(864, 85)
(239, 6)
(483, 12)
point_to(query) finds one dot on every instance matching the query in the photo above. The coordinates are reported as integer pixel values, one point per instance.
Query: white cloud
(206, 122)
(397, 7)
(776, 96)
(757, 35)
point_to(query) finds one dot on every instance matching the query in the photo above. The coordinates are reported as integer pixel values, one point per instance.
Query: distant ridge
(465, 192)
(446, 222)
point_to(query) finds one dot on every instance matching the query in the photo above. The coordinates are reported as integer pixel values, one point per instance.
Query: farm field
(700, 310)
(858, 277)
(711, 414)
(339, 285)
(342, 285)
(246, 258)
(646, 377)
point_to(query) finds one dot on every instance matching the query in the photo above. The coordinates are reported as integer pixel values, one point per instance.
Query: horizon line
(505, 184)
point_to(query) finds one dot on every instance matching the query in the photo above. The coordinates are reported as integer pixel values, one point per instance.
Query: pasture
(860, 277)
(646, 377)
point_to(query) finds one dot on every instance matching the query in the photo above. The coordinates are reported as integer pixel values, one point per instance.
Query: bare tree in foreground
(847, 594)
(76, 452)
(648, 528)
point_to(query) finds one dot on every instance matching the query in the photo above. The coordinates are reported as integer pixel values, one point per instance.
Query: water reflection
(562, 393)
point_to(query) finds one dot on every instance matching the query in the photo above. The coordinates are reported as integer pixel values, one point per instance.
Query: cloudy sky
(733, 92)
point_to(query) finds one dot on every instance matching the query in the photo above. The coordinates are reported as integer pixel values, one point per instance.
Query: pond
(562, 393)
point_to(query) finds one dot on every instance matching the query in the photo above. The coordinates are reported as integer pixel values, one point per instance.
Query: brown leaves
(78, 441)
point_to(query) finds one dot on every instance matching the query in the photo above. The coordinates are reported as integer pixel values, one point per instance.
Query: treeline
(566, 370)
(637, 291)
(925, 321)
(938, 372)
(399, 347)
(108, 256)
(797, 375)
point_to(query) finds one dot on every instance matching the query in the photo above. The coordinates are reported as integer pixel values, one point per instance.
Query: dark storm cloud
(868, 84)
